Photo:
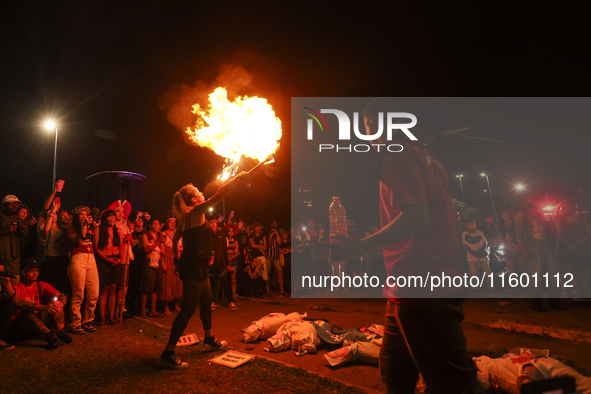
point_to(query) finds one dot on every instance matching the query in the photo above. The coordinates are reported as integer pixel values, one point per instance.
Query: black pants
(134, 293)
(254, 287)
(427, 337)
(219, 278)
(6, 308)
(195, 293)
(287, 272)
(241, 288)
(55, 272)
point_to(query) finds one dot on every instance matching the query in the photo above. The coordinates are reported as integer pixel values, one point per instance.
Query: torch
(268, 160)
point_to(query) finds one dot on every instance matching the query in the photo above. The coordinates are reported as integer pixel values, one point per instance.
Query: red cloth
(414, 176)
(31, 294)
(119, 204)
(232, 225)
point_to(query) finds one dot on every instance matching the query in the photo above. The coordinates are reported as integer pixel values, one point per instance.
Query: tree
(473, 214)
(458, 206)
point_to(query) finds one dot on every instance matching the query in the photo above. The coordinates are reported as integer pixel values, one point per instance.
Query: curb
(364, 389)
(541, 331)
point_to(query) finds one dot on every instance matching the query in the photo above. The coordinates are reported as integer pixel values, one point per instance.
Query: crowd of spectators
(319, 255)
(537, 239)
(71, 272)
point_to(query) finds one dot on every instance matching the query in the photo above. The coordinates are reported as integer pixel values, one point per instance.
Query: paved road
(488, 327)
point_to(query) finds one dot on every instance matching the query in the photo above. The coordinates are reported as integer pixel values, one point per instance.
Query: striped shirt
(273, 247)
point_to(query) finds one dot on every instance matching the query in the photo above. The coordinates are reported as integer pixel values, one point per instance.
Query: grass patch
(123, 359)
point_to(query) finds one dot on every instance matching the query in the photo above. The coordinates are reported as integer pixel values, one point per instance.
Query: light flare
(245, 127)
(548, 210)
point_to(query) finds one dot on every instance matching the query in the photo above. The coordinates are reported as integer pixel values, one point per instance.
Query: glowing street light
(50, 125)
(491, 196)
(520, 187)
(460, 176)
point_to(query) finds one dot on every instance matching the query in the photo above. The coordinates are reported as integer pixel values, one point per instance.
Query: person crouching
(39, 306)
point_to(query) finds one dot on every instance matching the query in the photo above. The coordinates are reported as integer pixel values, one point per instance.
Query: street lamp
(49, 126)
(491, 196)
(460, 176)
(520, 187)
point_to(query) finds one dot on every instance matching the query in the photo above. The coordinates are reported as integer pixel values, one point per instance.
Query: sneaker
(5, 346)
(211, 344)
(53, 342)
(78, 330)
(64, 336)
(213, 306)
(113, 322)
(88, 327)
(232, 306)
(171, 360)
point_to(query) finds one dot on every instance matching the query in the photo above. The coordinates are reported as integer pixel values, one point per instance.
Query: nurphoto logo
(344, 130)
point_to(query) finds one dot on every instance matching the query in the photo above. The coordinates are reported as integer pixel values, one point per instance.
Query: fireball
(245, 127)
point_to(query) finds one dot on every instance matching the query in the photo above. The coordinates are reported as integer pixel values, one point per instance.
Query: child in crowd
(255, 284)
(475, 243)
(152, 269)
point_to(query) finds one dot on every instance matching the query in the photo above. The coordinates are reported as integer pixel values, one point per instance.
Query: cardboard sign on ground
(233, 359)
(187, 340)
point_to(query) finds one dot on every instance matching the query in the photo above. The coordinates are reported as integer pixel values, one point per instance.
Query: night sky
(112, 71)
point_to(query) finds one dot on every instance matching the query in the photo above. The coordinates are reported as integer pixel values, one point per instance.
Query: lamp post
(49, 126)
(491, 196)
(519, 188)
(460, 176)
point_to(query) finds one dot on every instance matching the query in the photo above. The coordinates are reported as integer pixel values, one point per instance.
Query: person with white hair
(189, 207)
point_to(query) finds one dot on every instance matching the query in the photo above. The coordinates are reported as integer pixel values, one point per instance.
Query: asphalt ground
(492, 327)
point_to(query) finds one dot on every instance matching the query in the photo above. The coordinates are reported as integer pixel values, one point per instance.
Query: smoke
(212, 187)
(178, 101)
(235, 78)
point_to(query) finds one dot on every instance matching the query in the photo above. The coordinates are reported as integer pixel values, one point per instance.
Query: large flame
(245, 127)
